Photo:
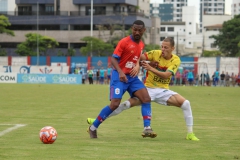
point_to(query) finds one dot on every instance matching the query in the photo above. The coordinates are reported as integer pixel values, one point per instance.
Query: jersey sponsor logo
(117, 91)
(132, 46)
(135, 58)
(163, 81)
(129, 64)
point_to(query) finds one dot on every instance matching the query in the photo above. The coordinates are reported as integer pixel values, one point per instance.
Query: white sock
(93, 128)
(123, 106)
(148, 127)
(187, 112)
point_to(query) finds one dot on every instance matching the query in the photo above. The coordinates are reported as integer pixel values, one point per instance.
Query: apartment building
(211, 7)
(235, 7)
(169, 10)
(70, 20)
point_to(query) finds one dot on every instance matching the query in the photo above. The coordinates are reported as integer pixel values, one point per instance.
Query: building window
(189, 42)
(190, 23)
(190, 32)
(171, 29)
(162, 38)
(162, 28)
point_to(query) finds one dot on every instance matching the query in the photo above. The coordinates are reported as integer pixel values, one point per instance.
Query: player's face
(167, 50)
(137, 31)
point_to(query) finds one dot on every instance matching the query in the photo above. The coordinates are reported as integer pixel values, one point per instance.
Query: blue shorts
(118, 88)
(216, 79)
(109, 76)
(190, 79)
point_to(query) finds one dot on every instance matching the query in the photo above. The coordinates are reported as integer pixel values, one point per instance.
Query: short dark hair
(139, 22)
(169, 39)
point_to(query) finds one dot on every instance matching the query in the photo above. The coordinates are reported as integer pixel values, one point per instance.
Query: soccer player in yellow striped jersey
(157, 82)
(170, 65)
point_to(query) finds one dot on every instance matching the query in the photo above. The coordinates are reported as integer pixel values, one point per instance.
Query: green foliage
(2, 52)
(97, 46)
(4, 23)
(229, 37)
(71, 52)
(150, 47)
(212, 53)
(29, 47)
(60, 53)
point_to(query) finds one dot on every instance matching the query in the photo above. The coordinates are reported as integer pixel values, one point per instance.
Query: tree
(212, 53)
(2, 52)
(34, 40)
(97, 46)
(229, 37)
(150, 47)
(4, 23)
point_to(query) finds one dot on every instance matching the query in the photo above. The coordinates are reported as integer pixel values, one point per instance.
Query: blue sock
(105, 112)
(146, 114)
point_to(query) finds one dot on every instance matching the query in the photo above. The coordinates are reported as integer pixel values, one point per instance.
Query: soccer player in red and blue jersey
(124, 78)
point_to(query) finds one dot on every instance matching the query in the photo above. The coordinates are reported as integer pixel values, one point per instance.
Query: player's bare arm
(122, 76)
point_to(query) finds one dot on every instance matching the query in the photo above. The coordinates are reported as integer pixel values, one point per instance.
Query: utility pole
(177, 44)
(203, 44)
(37, 37)
(91, 24)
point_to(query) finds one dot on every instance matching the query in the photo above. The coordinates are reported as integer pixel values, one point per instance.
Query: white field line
(16, 126)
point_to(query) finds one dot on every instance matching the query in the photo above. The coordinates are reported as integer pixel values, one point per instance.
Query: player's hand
(146, 65)
(134, 72)
(122, 77)
(154, 64)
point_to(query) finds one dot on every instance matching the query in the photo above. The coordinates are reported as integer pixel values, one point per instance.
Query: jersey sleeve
(119, 49)
(150, 55)
(174, 65)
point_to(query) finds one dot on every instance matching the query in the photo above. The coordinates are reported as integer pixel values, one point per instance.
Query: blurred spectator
(238, 80)
(190, 77)
(101, 72)
(227, 80)
(216, 77)
(207, 79)
(90, 76)
(97, 76)
(82, 72)
(77, 69)
(222, 79)
(109, 72)
(73, 66)
(196, 79)
(233, 80)
(202, 80)
(178, 78)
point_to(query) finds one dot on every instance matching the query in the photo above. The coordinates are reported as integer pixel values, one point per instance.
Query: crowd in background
(183, 77)
(186, 77)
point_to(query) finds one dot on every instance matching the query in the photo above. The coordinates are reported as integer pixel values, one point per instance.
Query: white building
(212, 24)
(210, 7)
(235, 7)
(177, 8)
(185, 33)
(7, 5)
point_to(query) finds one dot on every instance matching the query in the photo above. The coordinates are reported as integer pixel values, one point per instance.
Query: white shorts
(160, 95)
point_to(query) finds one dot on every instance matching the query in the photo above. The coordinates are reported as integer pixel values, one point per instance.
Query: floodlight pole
(91, 24)
(37, 37)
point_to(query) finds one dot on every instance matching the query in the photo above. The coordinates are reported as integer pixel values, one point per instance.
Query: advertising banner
(35, 69)
(49, 78)
(8, 77)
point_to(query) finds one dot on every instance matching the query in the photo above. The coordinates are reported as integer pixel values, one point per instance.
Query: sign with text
(8, 77)
(50, 78)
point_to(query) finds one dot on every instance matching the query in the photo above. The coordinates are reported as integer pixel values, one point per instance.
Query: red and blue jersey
(128, 52)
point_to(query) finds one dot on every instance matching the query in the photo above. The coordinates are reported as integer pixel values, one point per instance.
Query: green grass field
(216, 112)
